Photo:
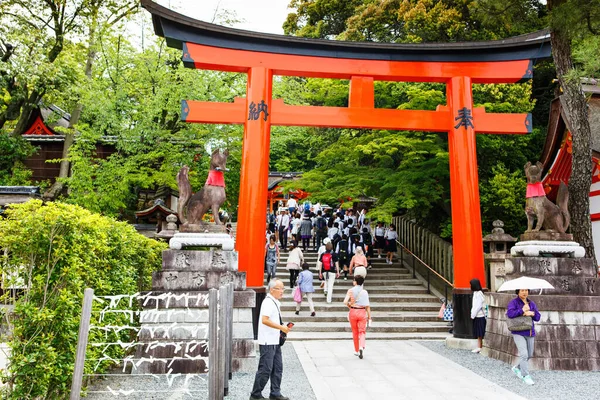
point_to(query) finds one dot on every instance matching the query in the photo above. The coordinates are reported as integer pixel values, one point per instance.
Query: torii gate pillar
(252, 214)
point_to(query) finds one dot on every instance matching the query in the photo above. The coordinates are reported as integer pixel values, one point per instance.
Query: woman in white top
(390, 237)
(478, 313)
(357, 300)
(296, 227)
(294, 261)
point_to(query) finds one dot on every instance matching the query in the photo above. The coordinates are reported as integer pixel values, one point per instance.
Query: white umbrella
(525, 282)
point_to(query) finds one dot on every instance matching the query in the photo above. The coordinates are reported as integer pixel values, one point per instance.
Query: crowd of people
(353, 240)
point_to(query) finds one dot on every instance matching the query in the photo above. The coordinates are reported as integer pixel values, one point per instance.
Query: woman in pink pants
(357, 300)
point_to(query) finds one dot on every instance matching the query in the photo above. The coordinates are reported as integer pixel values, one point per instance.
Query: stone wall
(567, 336)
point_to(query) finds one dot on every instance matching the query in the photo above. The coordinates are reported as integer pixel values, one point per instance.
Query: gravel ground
(549, 385)
(294, 384)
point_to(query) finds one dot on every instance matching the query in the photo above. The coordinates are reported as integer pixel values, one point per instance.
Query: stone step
(369, 283)
(297, 336)
(389, 290)
(378, 326)
(342, 316)
(338, 296)
(148, 386)
(377, 307)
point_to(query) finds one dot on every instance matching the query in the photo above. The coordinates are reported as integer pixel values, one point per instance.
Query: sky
(258, 15)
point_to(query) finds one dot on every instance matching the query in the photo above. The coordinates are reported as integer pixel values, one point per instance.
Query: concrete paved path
(395, 370)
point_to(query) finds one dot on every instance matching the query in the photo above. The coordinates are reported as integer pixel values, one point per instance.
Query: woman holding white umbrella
(521, 313)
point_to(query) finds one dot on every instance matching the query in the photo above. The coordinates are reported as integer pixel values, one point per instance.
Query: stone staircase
(401, 307)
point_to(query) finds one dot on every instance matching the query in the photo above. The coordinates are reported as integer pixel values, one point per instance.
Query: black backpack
(367, 240)
(343, 253)
(321, 225)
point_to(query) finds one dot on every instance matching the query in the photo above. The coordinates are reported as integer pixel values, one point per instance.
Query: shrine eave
(178, 29)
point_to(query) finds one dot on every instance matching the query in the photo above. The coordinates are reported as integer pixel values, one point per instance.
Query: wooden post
(230, 334)
(84, 330)
(222, 338)
(213, 331)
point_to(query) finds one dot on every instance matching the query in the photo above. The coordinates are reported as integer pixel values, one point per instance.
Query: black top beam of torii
(179, 29)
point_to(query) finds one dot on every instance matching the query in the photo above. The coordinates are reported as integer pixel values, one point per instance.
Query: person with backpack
(358, 264)
(329, 269)
(320, 228)
(342, 252)
(367, 241)
(271, 258)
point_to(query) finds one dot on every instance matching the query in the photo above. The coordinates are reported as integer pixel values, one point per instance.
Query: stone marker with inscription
(174, 320)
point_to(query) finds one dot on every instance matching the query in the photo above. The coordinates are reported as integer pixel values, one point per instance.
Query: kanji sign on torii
(261, 56)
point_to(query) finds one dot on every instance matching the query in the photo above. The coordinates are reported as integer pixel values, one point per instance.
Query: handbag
(442, 309)
(448, 314)
(297, 294)
(521, 323)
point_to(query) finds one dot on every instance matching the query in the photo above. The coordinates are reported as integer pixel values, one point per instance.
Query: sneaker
(345, 278)
(360, 354)
(528, 381)
(297, 312)
(369, 267)
(312, 314)
(356, 353)
(379, 256)
(256, 398)
(477, 350)
(517, 372)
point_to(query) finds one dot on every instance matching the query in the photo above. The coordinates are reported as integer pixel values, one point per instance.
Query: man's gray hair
(272, 283)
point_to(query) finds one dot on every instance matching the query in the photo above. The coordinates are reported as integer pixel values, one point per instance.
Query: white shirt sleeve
(477, 304)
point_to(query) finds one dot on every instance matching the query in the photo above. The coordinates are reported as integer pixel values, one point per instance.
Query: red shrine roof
(43, 122)
(557, 155)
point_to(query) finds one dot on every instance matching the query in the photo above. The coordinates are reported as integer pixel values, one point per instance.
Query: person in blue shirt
(305, 283)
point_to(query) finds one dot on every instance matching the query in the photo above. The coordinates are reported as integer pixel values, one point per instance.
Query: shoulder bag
(521, 323)
(282, 335)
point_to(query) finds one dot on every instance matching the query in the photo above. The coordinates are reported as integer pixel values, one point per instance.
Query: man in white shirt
(270, 365)
(292, 205)
(283, 229)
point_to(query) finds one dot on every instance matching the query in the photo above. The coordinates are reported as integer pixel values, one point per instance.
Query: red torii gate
(261, 56)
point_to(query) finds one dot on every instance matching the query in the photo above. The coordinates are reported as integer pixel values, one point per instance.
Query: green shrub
(55, 251)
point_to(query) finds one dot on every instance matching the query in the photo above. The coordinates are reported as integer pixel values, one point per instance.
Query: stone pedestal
(174, 320)
(567, 336)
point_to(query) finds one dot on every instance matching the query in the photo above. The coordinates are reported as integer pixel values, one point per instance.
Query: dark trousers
(293, 277)
(270, 366)
(283, 237)
(305, 243)
(320, 238)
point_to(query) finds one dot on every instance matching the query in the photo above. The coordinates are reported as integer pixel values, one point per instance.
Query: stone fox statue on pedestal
(192, 208)
(550, 216)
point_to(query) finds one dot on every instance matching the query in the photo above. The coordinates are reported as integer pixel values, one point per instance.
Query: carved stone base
(202, 228)
(183, 240)
(535, 248)
(546, 235)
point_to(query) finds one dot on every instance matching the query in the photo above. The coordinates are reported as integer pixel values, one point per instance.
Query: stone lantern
(499, 243)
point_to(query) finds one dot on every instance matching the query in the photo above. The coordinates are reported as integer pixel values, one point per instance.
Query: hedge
(55, 251)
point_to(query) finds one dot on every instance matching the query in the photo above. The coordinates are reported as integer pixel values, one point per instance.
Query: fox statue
(550, 217)
(192, 207)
